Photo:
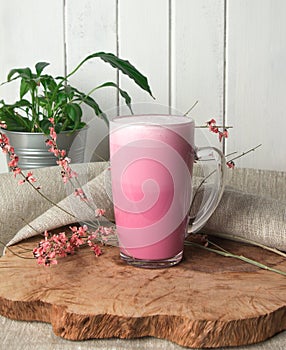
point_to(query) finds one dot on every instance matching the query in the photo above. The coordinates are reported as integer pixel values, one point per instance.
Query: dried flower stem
(14, 253)
(246, 240)
(244, 153)
(191, 108)
(213, 172)
(218, 126)
(230, 154)
(45, 197)
(239, 257)
(28, 224)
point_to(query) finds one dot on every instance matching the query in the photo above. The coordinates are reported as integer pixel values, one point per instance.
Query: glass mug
(152, 158)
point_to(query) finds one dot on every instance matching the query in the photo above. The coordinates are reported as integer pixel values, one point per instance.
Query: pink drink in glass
(151, 171)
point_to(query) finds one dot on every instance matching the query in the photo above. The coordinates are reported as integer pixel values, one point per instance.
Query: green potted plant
(42, 97)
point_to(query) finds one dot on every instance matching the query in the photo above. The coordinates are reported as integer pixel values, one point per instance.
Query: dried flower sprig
(16, 170)
(62, 160)
(216, 129)
(67, 173)
(61, 245)
(211, 125)
(230, 163)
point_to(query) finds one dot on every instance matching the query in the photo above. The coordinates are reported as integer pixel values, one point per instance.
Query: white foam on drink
(126, 129)
(152, 119)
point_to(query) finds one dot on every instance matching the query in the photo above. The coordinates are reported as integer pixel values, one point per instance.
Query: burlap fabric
(20, 205)
(253, 205)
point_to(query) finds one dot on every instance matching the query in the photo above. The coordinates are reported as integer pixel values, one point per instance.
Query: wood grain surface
(205, 301)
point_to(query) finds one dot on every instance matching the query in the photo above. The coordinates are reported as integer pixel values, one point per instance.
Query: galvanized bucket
(33, 152)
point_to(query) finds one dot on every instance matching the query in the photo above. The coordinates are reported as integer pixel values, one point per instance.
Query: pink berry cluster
(10, 151)
(14, 159)
(62, 159)
(221, 134)
(213, 128)
(62, 245)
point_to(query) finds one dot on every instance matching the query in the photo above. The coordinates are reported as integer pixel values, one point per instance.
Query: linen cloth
(21, 204)
(253, 205)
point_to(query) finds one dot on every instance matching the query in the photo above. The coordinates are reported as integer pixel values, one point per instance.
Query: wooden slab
(205, 301)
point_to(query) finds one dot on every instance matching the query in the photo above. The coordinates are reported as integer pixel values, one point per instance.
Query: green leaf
(123, 93)
(44, 125)
(123, 65)
(40, 67)
(48, 82)
(43, 102)
(61, 98)
(59, 128)
(24, 88)
(24, 73)
(69, 91)
(15, 122)
(81, 125)
(89, 101)
(74, 112)
(126, 68)
(22, 103)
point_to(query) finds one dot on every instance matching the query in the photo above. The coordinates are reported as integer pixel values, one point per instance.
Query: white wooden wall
(228, 54)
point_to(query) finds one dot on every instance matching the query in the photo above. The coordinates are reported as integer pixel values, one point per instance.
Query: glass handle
(213, 193)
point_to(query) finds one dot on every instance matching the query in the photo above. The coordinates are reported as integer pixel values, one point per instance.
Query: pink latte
(151, 167)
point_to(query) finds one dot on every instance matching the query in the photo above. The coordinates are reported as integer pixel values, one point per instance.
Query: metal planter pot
(33, 152)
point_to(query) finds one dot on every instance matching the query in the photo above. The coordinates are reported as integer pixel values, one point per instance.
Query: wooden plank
(197, 61)
(256, 81)
(143, 31)
(30, 31)
(91, 27)
(27, 38)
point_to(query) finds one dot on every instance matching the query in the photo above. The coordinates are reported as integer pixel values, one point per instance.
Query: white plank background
(229, 55)
(145, 25)
(30, 31)
(91, 27)
(256, 80)
(197, 61)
